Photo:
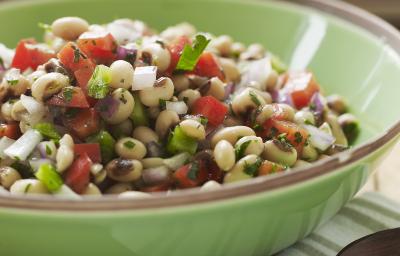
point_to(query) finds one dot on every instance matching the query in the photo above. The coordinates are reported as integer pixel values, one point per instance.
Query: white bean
(253, 145)
(193, 128)
(130, 148)
(160, 55)
(48, 85)
(165, 121)
(8, 176)
(28, 186)
(145, 134)
(224, 155)
(231, 134)
(69, 28)
(125, 107)
(65, 153)
(121, 74)
(245, 100)
(164, 90)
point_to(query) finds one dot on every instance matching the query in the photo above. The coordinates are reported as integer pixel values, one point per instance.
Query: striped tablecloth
(365, 214)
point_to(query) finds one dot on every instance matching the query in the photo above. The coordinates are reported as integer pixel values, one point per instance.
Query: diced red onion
(179, 107)
(144, 77)
(35, 163)
(5, 142)
(229, 89)
(107, 106)
(21, 148)
(317, 101)
(319, 139)
(125, 53)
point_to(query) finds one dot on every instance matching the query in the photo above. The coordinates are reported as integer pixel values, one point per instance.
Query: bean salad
(120, 109)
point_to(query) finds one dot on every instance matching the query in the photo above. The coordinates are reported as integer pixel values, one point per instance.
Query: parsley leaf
(239, 150)
(68, 93)
(254, 98)
(13, 82)
(48, 150)
(129, 144)
(252, 169)
(298, 138)
(194, 170)
(190, 55)
(203, 120)
(162, 104)
(98, 83)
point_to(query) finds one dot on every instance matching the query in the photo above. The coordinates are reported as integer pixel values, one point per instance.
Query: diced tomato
(91, 149)
(11, 131)
(29, 54)
(101, 47)
(301, 86)
(78, 174)
(191, 175)
(77, 100)
(211, 108)
(176, 50)
(84, 123)
(157, 188)
(295, 134)
(83, 76)
(208, 66)
(268, 167)
(73, 58)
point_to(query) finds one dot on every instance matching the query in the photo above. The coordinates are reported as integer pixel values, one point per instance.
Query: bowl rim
(342, 10)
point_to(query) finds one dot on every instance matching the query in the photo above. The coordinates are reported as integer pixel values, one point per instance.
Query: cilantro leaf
(194, 170)
(98, 84)
(129, 144)
(239, 150)
(254, 98)
(252, 169)
(68, 93)
(191, 54)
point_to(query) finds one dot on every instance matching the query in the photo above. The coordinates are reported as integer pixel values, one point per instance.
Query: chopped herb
(313, 107)
(191, 54)
(274, 131)
(283, 143)
(98, 84)
(44, 26)
(254, 98)
(17, 158)
(13, 82)
(47, 130)
(162, 104)
(48, 150)
(27, 188)
(203, 120)
(77, 55)
(258, 128)
(252, 169)
(122, 98)
(239, 150)
(298, 138)
(129, 144)
(122, 80)
(308, 122)
(68, 93)
(194, 170)
(185, 99)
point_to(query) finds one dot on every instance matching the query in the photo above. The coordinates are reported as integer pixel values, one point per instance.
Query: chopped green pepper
(48, 131)
(138, 115)
(179, 142)
(106, 142)
(49, 176)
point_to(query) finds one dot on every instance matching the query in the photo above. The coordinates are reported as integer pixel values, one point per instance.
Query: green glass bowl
(351, 52)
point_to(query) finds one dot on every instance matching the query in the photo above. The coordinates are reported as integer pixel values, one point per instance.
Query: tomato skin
(86, 122)
(290, 128)
(181, 176)
(301, 86)
(78, 174)
(175, 50)
(208, 66)
(102, 48)
(11, 131)
(27, 56)
(91, 149)
(268, 167)
(78, 99)
(211, 108)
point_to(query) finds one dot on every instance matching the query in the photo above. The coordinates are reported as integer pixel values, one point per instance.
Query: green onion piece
(48, 174)
(278, 65)
(190, 55)
(139, 116)
(179, 142)
(98, 84)
(106, 142)
(48, 131)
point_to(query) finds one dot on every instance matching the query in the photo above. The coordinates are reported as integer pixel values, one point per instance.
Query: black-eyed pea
(231, 71)
(8, 176)
(231, 134)
(215, 87)
(193, 128)
(189, 96)
(279, 152)
(92, 190)
(3, 91)
(222, 44)
(32, 77)
(182, 29)
(161, 56)
(122, 129)
(232, 121)
(6, 109)
(121, 73)
(48, 85)
(245, 169)
(166, 119)
(224, 155)
(134, 194)
(100, 177)
(304, 117)
(181, 82)
(253, 52)
(130, 148)
(265, 113)
(65, 153)
(152, 162)
(337, 103)
(287, 111)
(125, 106)
(156, 175)
(309, 153)
(69, 28)
(119, 188)
(28, 186)
(124, 170)
(210, 185)
(245, 100)
(17, 84)
(145, 134)
(19, 112)
(237, 48)
(266, 96)
(162, 90)
(337, 131)
(250, 145)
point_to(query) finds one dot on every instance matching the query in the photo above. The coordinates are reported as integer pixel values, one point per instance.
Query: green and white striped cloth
(364, 215)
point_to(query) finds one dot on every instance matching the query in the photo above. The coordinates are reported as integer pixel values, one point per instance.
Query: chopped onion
(107, 106)
(123, 30)
(35, 163)
(47, 149)
(144, 77)
(5, 142)
(6, 55)
(156, 175)
(284, 97)
(177, 161)
(258, 71)
(66, 193)
(319, 139)
(318, 102)
(179, 107)
(21, 148)
(34, 108)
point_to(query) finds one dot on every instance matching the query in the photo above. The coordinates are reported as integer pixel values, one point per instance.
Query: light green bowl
(258, 217)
